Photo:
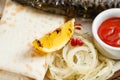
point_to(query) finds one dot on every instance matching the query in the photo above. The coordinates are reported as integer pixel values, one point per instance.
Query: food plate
(53, 22)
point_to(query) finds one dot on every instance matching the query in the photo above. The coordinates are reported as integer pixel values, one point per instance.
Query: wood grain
(2, 4)
(116, 75)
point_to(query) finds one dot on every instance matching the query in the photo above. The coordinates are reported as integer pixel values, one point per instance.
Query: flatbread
(5, 75)
(19, 26)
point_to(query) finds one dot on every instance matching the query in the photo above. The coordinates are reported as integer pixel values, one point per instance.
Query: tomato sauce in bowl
(109, 32)
(106, 33)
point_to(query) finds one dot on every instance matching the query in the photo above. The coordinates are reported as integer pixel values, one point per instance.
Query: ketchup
(109, 32)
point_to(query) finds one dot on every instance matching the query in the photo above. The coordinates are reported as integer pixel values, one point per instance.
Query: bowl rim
(95, 29)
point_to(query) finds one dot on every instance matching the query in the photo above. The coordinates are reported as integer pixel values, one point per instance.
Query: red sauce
(109, 32)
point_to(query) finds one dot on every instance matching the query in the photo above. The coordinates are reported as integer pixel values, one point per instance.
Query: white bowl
(105, 49)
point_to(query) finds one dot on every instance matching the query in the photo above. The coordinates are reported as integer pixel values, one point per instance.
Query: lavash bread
(19, 26)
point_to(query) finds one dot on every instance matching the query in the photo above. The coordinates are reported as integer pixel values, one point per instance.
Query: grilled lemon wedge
(55, 40)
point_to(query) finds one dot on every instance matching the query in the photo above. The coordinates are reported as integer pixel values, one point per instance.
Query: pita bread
(19, 26)
(5, 75)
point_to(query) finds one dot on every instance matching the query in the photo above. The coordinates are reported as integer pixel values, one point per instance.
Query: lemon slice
(55, 40)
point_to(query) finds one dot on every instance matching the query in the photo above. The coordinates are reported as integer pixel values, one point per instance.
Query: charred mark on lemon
(58, 30)
(38, 42)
